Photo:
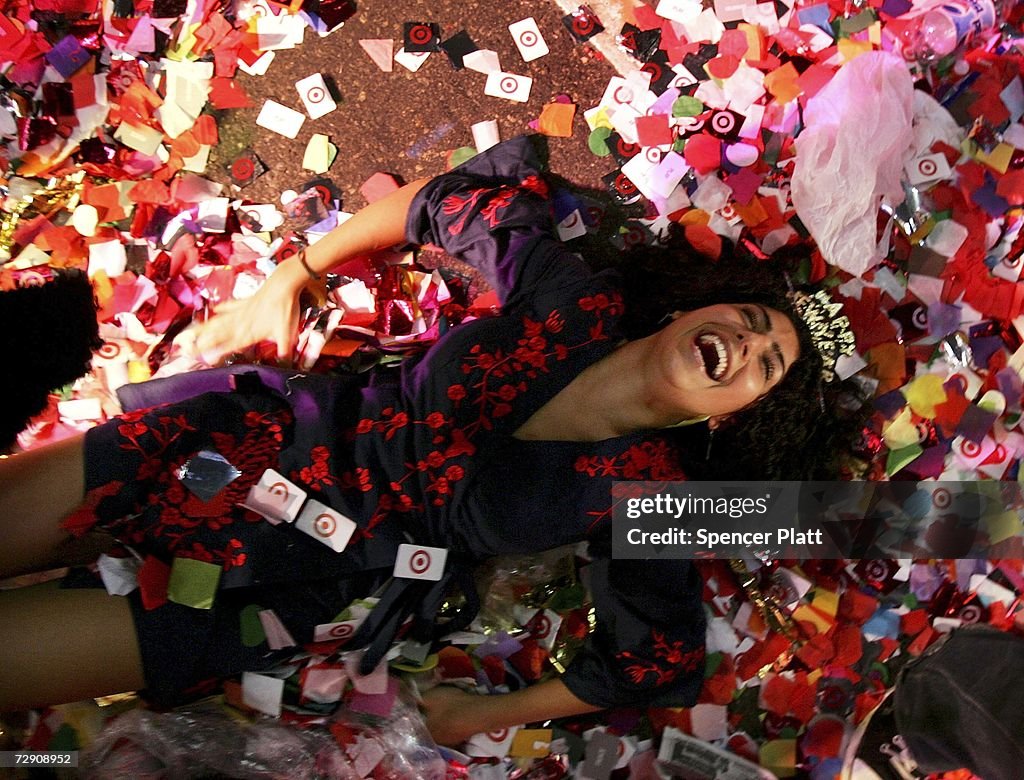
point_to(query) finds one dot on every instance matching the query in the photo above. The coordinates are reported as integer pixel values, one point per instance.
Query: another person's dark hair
(804, 428)
(47, 333)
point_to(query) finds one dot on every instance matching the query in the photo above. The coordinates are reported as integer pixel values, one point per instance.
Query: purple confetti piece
(943, 319)
(67, 56)
(975, 423)
(501, 645)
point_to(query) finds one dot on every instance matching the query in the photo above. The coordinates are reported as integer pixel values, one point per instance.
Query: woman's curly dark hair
(48, 333)
(804, 429)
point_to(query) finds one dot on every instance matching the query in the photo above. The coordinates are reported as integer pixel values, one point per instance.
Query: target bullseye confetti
(336, 632)
(315, 96)
(493, 744)
(621, 188)
(508, 86)
(275, 497)
(325, 525)
(419, 562)
(246, 168)
(572, 227)
(421, 37)
(411, 60)
(583, 24)
(725, 124)
(528, 39)
(929, 168)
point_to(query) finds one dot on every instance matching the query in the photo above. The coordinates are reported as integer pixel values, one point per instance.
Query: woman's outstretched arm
(453, 715)
(272, 313)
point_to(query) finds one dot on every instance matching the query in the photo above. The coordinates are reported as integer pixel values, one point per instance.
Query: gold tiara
(830, 330)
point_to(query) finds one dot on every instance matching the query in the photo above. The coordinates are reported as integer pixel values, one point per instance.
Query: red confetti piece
(723, 66)
(703, 152)
(453, 663)
(704, 240)
(823, 738)
(154, 576)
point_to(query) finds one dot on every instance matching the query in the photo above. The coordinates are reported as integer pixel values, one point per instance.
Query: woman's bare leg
(65, 645)
(38, 489)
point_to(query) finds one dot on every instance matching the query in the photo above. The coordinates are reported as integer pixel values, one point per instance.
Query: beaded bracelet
(302, 260)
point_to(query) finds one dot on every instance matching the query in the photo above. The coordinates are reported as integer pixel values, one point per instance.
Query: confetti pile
(758, 123)
(746, 121)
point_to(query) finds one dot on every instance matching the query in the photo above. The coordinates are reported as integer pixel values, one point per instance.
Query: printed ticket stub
(695, 759)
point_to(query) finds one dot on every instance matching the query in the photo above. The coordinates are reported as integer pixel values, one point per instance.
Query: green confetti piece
(462, 154)
(348, 613)
(687, 105)
(193, 583)
(568, 598)
(65, 738)
(678, 145)
(711, 664)
(881, 671)
(856, 24)
(901, 458)
(597, 139)
(744, 706)
(250, 628)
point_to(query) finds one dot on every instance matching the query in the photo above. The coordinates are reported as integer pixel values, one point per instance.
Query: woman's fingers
(286, 336)
(211, 340)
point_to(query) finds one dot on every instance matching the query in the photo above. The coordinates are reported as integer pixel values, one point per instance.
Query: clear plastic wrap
(204, 741)
(402, 740)
(508, 581)
(207, 741)
(857, 137)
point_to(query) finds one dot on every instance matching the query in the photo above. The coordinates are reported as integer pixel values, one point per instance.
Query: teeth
(720, 368)
(722, 364)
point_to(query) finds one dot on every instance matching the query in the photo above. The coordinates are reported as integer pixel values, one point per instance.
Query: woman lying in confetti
(504, 437)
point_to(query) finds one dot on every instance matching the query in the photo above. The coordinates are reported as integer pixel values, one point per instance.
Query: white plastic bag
(857, 137)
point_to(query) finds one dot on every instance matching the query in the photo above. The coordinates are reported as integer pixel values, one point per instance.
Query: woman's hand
(453, 715)
(272, 314)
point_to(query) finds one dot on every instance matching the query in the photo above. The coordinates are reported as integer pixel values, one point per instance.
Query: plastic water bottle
(946, 26)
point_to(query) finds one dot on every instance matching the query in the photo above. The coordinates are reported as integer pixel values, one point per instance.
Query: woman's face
(721, 359)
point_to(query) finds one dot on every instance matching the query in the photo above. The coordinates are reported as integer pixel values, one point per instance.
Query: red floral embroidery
(228, 558)
(535, 184)
(360, 480)
(180, 510)
(133, 427)
(670, 659)
(453, 204)
(81, 521)
(610, 303)
(499, 198)
(318, 473)
(495, 379)
(651, 461)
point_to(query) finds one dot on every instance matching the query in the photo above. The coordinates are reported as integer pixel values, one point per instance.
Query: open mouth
(713, 354)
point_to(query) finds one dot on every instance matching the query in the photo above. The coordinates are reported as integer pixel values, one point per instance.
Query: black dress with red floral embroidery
(422, 453)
